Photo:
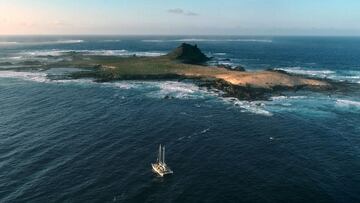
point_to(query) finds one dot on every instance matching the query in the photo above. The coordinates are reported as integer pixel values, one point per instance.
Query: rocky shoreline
(247, 92)
(187, 62)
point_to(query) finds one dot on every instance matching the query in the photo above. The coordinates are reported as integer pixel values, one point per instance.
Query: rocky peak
(188, 53)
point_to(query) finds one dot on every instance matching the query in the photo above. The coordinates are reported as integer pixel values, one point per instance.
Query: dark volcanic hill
(188, 53)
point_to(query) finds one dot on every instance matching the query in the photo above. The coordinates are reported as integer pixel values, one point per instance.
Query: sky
(180, 17)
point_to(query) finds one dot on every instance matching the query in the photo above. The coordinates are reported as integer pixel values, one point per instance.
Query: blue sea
(66, 140)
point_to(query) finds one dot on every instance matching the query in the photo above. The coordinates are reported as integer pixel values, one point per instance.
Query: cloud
(180, 11)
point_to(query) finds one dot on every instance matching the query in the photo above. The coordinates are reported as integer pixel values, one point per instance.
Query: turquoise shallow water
(80, 141)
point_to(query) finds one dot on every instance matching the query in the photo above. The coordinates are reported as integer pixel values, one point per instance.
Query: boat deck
(160, 169)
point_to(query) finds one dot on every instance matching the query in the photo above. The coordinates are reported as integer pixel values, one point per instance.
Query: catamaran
(160, 166)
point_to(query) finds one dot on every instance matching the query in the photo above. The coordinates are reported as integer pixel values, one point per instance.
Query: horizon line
(219, 35)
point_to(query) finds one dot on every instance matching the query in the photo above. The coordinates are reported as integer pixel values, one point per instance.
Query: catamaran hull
(161, 173)
(155, 170)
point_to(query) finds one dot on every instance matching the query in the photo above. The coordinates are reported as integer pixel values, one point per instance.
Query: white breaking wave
(8, 43)
(162, 89)
(71, 41)
(64, 42)
(208, 40)
(301, 71)
(153, 89)
(219, 54)
(173, 89)
(277, 98)
(41, 77)
(312, 105)
(348, 103)
(126, 84)
(227, 63)
(256, 107)
(53, 52)
(32, 76)
(120, 52)
(75, 81)
(285, 101)
(111, 40)
(153, 40)
(348, 75)
(352, 76)
(177, 89)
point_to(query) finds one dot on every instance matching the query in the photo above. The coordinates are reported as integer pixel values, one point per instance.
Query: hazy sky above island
(192, 17)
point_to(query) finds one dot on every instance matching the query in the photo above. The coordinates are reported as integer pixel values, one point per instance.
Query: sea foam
(347, 75)
(255, 107)
(123, 53)
(162, 89)
(120, 52)
(302, 71)
(8, 43)
(29, 43)
(32, 76)
(348, 103)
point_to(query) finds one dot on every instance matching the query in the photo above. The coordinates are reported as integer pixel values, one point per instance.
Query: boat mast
(163, 158)
(159, 156)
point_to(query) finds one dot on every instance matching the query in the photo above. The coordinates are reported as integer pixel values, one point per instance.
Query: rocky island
(188, 62)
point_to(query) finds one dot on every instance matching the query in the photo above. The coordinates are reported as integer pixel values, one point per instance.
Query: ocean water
(81, 141)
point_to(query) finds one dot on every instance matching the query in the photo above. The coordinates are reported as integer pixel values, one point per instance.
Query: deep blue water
(80, 141)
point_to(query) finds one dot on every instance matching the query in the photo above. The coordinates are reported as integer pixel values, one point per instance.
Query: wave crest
(13, 43)
(340, 75)
(120, 52)
(255, 107)
(348, 103)
(32, 76)
(163, 89)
